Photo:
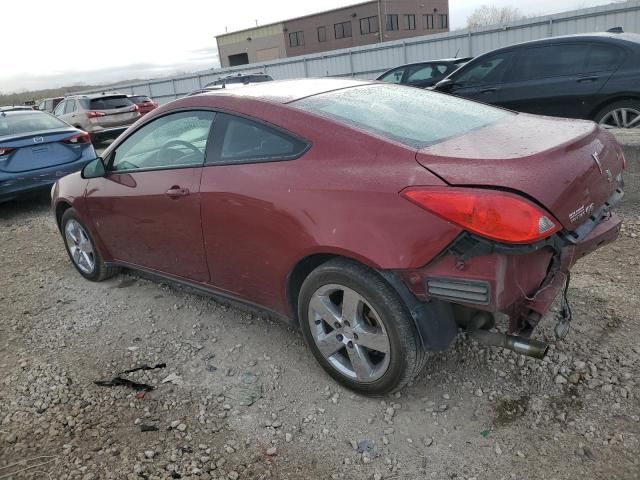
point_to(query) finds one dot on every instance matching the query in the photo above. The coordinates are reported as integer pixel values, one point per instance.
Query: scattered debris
(173, 378)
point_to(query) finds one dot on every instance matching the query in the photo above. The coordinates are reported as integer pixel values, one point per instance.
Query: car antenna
(615, 30)
(456, 55)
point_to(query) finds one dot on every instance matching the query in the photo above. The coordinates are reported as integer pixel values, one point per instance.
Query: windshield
(412, 116)
(28, 122)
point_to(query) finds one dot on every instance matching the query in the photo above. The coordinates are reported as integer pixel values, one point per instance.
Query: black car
(589, 76)
(423, 74)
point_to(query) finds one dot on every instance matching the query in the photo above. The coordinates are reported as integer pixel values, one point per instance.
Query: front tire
(358, 328)
(82, 250)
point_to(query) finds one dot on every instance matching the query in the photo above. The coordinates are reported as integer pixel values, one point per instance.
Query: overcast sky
(51, 43)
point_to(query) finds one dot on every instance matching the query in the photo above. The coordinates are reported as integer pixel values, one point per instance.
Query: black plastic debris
(144, 367)
(148, 428)
(118, 381)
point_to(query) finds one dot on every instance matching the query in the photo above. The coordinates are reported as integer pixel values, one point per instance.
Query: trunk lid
(34, 151)
(571, 167)
(117, 110)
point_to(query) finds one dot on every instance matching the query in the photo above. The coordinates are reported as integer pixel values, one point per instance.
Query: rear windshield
(109, 103)
(408, 115)
(140, 99)
(28, 122)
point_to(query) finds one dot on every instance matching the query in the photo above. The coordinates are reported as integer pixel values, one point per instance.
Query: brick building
(351, 26)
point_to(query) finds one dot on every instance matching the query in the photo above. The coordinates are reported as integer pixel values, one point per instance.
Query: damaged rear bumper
(520, 281)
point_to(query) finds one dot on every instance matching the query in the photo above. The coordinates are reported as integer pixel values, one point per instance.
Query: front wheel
(82, 250)
(358, 328)
(621, 114)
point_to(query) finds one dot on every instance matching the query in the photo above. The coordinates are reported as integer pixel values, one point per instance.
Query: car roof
(285, 91)
(11, 113)
(628, 38)
(92, 96)
(440, 60)
(16, 108)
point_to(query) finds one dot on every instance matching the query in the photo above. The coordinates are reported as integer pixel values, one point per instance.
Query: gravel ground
(241, 398)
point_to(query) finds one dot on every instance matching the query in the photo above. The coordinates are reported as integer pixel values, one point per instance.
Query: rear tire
(373, 346)
(82, 250)
(620, 114)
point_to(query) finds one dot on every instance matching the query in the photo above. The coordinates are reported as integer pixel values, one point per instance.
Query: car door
(550, 80)
(481, 79)
(147, 207)
(70, 112)
(603, 62)
(59, 110)
(247, 158)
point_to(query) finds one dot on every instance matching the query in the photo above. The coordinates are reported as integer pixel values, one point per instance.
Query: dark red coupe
(378, 218)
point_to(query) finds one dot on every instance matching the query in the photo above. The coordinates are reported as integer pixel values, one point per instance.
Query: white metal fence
(369, 61)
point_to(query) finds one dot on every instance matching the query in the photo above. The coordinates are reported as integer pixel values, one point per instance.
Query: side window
(71, 106)
(426, 72)
(548, 61)
(485, 71)
(175, 140)
(59, 110)
(238, 140)
(603, 58)
(394, 76)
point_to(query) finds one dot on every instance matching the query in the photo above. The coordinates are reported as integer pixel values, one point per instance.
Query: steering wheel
(174, 143)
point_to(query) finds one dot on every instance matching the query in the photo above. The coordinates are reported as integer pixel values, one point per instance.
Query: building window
(444, 21)
(342, 30)
(428, 22)
(296, 39)
(369, 25)
(392, 22)
(322, 34)
(410, 22)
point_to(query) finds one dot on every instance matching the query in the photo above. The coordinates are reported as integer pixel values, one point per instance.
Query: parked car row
(592, 77)
(56, 137)
(377, 218)
(36, 149)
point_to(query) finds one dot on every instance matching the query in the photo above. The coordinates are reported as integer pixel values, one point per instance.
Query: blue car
(36, 149)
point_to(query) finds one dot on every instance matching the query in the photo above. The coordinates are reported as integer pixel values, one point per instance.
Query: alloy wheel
(349, 333)
(621, 118)
(80, 247)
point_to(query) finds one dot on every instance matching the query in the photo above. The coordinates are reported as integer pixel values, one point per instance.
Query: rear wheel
(82, 250)
(621, 114)
(358, 328)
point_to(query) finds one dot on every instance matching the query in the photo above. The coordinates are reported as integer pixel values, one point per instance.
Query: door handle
(489, 90)
(587, 79)
(177, 192)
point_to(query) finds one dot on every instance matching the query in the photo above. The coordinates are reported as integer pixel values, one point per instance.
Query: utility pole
(380, 20)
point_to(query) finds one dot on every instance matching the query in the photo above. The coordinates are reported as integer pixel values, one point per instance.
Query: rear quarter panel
(341, 197)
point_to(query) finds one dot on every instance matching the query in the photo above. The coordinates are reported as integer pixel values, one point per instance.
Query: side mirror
(445, 85)
(94, 169)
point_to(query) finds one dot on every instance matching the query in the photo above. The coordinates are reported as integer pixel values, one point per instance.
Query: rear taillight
(500, 216)
(94, 114)
(6, 150)
(134, 108)
(83, 137)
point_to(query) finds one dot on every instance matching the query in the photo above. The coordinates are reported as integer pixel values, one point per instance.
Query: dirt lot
(241, 397)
